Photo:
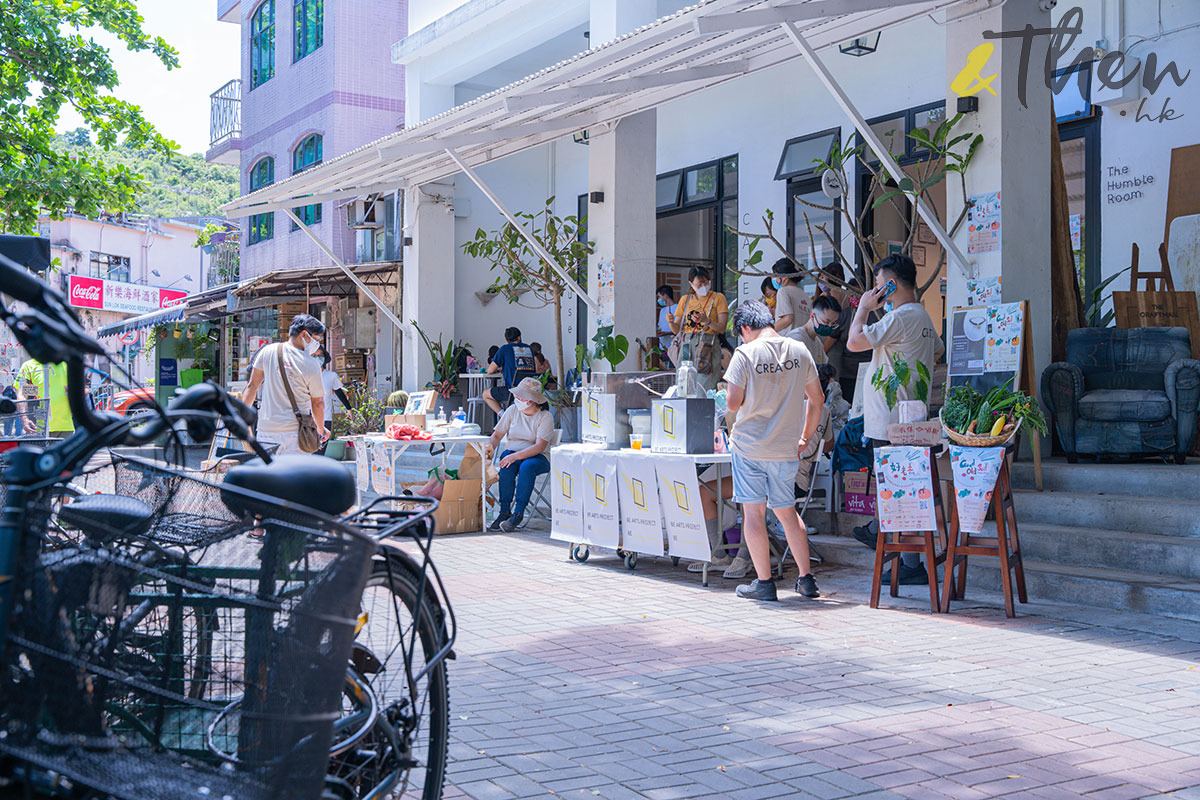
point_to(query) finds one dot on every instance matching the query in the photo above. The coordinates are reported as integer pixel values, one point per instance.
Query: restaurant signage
(126, 298)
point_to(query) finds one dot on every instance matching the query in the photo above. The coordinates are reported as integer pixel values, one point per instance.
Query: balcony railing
(226, 119)
(225, 263)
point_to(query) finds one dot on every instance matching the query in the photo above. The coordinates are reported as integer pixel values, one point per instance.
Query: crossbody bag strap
(286, 385)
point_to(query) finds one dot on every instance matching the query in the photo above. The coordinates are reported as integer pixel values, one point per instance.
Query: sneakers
(722, 560)
(868, 537)
(758, 590)
(498, 521)
(807, 586)
(909, 576)
(739, 568)
(509, 525)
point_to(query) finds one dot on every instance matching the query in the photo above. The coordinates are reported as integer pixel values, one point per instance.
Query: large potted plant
(445, 358)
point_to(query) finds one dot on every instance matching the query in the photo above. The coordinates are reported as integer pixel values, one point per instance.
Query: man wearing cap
(527, 426)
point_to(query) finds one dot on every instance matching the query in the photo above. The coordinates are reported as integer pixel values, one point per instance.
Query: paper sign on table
(975, 471)
(904, 484)
(567, 483)
(363, 464)
(679, 492)
(641, 515)
(601, 510)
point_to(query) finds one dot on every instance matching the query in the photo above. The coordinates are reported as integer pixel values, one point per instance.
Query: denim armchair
(1125, 392)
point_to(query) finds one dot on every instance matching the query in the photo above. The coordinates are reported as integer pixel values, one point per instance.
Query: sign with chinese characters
(975, 472)
(126, 298)
(983, 224)
(641, 517)
(679, 492)
(904, 484)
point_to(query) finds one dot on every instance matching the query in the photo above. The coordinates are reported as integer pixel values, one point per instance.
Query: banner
(905, 489)
(641, 515)
(601, 511)
(567, 483)
(975, 472)
(679, 492)
(129, 298)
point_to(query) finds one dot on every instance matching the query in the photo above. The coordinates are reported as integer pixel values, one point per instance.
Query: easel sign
(419, 403)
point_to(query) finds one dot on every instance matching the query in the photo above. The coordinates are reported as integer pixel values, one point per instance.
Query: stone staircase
(1124, 537)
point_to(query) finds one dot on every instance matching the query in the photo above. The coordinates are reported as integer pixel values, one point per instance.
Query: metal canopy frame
(320, 281)
(702, 46)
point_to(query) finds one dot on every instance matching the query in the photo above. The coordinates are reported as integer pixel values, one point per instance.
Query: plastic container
(460, 415)
(635, 441)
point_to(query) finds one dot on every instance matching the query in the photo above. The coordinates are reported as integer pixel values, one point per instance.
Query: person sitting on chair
(514, 361)
(528, 427)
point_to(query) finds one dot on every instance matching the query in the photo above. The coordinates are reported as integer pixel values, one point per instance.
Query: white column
(422, 99)
(613, 18)
(428, 284)
(621, 164)
(1014, 159)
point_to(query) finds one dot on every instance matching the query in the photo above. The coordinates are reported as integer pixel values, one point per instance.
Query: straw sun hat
(530, 390)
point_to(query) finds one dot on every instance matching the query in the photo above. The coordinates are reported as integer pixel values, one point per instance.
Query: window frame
(310, 214)
(262, 44)
(780, 175)
(261, 226)
(300, 31)
(108, 263)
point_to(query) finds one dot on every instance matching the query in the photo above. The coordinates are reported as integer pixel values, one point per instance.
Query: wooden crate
(352, 375)
(350, 361)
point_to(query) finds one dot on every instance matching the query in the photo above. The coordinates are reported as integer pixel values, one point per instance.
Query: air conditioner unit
(365, 213)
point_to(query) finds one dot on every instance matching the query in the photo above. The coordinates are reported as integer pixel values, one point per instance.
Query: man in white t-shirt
(906, 330)
(277, 423)
(769, 379)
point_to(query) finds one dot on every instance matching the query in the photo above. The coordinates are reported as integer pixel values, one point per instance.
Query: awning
(201, 307)
(320, 282)
(707, 44)
(173, 314)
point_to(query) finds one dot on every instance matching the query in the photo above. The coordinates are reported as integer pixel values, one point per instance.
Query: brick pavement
(589, 681)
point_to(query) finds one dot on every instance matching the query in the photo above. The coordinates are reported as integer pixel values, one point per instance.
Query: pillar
(613, 18)
(621, 165)
(1014, 159)
(428, 284)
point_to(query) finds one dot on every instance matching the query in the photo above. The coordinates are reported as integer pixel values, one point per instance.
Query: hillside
(178, 186)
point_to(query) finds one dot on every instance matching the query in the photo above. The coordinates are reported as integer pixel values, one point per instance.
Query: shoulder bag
(309, 439)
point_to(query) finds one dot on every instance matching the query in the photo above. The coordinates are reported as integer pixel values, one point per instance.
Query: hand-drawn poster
(983, 292)
(975, 472)
(606, 278)
(641, 515)
(601, 510)
(679, 492)
(363, 464)
(1076, 231)
(983, 224)
(1004, 329)
(905, 489)
(567, 483)
(985, 339)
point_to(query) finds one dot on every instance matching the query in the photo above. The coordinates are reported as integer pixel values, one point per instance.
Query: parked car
(132, 401)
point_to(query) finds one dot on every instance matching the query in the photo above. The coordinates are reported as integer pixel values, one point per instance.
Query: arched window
(307, 154)
(309, 16)
(262, 226)
(262, 44)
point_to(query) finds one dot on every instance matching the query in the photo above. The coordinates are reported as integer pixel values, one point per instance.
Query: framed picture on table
(420, 402)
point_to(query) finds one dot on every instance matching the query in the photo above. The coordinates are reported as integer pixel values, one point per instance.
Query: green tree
(48, 61)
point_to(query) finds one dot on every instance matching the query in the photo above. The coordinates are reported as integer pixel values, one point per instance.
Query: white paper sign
(601, 509)
(641, 515)
(362, 459)
(567, 484)
(904, 483)
(383, 475)
(679, 492)
(975, 472)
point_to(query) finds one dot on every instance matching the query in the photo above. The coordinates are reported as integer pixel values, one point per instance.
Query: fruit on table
(998, 426)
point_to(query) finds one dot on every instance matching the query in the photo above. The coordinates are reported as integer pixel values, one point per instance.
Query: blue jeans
(519, 476)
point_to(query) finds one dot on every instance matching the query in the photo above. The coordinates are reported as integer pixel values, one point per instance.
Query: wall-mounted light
(580, 137)
(968, 105)
(595, 198)
(862, 46)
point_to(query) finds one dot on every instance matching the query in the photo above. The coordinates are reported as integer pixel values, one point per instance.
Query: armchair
(1125, 392)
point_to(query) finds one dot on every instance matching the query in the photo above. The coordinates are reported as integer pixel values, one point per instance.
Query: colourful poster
(1076, 231)
(641, 515)
(601, 509)
(606, 280)
(983, 224)
(975, 471)
(904, 484)
(679, 493)
(983, 292)
(1005, 326)
(567, 482)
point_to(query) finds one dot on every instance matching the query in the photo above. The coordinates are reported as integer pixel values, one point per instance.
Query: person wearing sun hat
(526, 427)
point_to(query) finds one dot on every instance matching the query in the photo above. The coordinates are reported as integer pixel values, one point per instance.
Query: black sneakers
(758, 590)
(498, 522)
(807, 586)
(510, 524)
(867, 536)
(909, 576)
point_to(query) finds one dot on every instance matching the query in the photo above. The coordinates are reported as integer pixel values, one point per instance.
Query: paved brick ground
(586, 680)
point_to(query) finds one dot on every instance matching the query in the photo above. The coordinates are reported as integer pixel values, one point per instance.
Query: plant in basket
(973, 418)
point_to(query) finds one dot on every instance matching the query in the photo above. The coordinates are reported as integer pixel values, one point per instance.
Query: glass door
(1081, 167)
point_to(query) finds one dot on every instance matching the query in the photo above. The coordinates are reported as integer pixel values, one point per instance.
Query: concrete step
(1120, 590)
(1151, 553)
(1144, 479)
(1175, 516)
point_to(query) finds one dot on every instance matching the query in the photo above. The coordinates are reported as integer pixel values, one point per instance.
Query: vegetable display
(993, 414)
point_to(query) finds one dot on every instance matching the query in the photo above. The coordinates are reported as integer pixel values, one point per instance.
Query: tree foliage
(49, 62)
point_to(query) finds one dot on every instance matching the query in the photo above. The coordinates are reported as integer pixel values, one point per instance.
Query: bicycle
(152, 649)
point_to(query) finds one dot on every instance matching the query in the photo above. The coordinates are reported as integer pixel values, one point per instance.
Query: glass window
(927, 120)
(262, 226)
(309, 215)
(700, 185)
(262, 44)
(309, 18)
(307, 154)
(666, 191)
(109, 267)
(891, 133)
(1072, 93)
(798, 154)
(729, 177)
(814, 250)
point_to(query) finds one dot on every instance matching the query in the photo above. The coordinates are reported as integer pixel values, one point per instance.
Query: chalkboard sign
(989, 345)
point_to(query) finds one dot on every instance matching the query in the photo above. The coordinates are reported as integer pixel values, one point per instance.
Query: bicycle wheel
(419, 713)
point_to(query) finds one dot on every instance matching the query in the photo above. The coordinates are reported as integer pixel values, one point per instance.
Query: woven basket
(974, 440)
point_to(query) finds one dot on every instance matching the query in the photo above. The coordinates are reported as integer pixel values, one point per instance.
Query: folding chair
(539, 504)
(820, 479)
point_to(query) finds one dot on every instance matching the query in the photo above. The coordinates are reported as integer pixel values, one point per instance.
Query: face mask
(312, 346)
(776, 283)
(824, 330)
(702, 291)
(662, 302)
(887, 307)
(521, 404)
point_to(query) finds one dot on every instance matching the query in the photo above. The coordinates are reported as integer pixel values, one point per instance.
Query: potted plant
(396, 401)
(564, 400)
(445, 359)
(901, 375)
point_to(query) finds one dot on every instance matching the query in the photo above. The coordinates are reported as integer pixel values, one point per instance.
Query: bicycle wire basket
(175, 616)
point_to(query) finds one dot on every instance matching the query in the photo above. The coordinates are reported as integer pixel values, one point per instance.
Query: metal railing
(225, 121)
(224, 263)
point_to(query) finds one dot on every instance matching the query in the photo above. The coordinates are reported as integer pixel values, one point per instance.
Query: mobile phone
(888, 288)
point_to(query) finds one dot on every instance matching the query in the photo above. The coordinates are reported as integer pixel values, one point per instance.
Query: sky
(176, 102)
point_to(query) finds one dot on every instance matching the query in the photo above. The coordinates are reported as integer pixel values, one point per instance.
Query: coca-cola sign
(126, 298)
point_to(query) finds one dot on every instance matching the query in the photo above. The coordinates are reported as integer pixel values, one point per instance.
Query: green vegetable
(965, 405)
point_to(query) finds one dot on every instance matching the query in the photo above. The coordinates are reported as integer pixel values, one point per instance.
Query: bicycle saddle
(313, 481)
(102, 515)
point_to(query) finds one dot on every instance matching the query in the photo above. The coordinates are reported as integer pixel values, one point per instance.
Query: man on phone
(906, 330)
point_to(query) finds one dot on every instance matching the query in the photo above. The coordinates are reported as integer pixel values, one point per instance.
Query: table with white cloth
(626, 499)
(372, 480)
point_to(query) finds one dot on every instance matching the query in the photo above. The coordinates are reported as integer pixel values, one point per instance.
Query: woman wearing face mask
(697, 321)
(768, 292)
(821, 324)
(527, 427)
(335, 391)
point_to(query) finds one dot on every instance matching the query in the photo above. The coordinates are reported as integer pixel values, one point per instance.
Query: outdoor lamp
(862, 46)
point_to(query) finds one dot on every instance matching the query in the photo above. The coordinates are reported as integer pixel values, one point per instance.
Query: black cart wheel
(630, 561)
(580, 553)
(674, 561)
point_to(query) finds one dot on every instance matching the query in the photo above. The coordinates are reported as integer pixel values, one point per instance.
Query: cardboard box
(459, 510)
(419, 420)
(926, 434)
(858, 493)
(352, 375)
(350, 361)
